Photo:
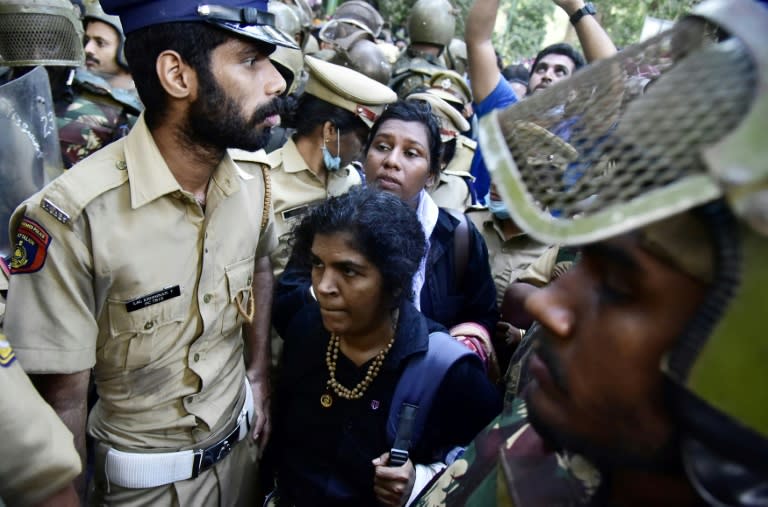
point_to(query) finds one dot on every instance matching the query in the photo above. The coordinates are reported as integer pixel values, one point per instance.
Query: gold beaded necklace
(331, 356)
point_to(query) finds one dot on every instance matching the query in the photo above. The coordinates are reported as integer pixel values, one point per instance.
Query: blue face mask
(498, 208)
(332, 164)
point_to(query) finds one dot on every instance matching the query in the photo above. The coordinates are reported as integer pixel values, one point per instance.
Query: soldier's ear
(177, 78)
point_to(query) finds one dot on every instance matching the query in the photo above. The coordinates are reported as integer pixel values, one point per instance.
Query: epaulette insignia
(31, 247)
(7, 356)
(55, 211)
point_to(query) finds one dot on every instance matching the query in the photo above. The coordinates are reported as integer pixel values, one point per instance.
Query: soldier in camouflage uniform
(430, 27)
(91, 114)
(648, 371)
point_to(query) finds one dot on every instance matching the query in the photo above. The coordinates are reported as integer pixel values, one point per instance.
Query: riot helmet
(40, 32)
(456, 56)
(286, 19)
(432, 22)
(363, 13)
(685, 147)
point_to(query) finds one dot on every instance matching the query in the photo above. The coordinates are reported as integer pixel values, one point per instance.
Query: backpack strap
(418, 386)
(460, 246)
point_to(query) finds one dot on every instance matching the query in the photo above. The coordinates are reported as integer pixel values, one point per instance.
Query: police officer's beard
(215, 120)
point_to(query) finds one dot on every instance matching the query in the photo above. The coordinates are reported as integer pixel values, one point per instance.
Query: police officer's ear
(330, 131)
(177, 78)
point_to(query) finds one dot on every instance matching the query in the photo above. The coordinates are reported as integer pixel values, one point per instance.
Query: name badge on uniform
(295, 212)
(153, 298)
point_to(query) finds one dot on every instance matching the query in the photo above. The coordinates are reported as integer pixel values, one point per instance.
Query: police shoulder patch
(30, 248)
(7, 356)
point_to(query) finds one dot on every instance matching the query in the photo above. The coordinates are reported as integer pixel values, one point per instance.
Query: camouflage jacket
(411, 71)
(508, 464)
(93, 116)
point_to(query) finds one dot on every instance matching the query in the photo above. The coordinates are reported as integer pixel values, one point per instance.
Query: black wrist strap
(588, 9)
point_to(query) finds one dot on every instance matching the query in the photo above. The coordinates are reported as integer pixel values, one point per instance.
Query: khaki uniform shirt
(511, 257)
(452, 189)
(294, 189)
(140, 283)
(39, 456)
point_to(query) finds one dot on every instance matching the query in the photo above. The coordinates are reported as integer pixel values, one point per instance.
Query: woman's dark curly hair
(384, 229)
(417, 111)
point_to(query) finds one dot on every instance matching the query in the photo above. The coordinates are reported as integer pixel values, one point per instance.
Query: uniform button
(249, 280)
(197, 357)
(207, 298)
(149, 325)
(121, 165)
(206, 250)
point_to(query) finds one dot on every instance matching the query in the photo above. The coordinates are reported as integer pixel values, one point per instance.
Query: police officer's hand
(393, 485)
(262, 425)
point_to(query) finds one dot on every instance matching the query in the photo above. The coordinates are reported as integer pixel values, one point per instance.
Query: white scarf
(427, 212)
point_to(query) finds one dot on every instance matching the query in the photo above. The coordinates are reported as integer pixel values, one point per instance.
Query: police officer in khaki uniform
(148, 263)
(452, 188)
(39, 457)
(332, 120)
(512, 253)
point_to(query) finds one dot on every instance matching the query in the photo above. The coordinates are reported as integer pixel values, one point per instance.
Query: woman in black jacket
(454, 284)
(346, 346)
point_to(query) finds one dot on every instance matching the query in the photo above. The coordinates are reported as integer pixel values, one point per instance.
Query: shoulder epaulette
(474, 208)
(275, 158)
(460, 173)
(68, 195)
(258, 157)
(466, 141)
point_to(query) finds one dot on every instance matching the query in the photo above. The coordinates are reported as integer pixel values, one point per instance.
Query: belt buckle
(206, 458)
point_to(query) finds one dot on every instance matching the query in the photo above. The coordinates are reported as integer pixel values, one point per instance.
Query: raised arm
(484, 75)
(593, 39)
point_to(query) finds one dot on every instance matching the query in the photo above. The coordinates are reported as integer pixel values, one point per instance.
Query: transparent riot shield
(29, 145)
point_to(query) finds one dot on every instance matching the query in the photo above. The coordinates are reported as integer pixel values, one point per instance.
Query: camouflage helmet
(40, 32)
(432, 22)
(94, 12)
(687, 175)
(361, 12)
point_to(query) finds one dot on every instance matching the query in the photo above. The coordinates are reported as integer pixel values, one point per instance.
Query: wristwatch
(588, 8)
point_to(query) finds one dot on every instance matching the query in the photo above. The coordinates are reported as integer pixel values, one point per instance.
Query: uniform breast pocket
(141, 336)
(239, 291)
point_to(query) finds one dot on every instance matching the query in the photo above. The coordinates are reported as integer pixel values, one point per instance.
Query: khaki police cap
(450, 86)
(347, 89)
(452, 123)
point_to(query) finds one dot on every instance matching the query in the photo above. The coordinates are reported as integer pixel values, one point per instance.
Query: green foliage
(526, 21)
(623, 19)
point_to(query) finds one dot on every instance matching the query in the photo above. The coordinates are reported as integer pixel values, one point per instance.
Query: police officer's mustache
(276, 107)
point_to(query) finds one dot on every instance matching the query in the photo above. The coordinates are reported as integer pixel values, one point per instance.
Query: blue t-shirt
(501, 96)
